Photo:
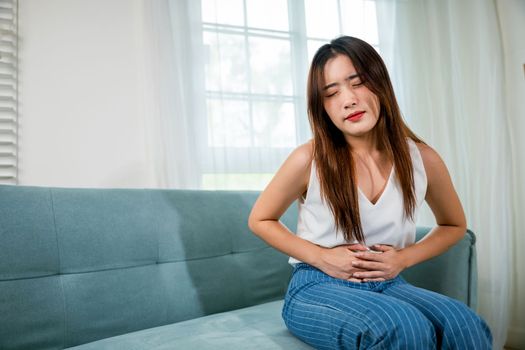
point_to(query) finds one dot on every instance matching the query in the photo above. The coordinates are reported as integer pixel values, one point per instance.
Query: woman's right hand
(337, 261)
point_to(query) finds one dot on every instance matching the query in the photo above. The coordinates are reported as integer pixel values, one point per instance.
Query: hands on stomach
(359, 263)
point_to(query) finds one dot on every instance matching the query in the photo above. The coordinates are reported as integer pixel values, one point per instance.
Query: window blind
(8, 92)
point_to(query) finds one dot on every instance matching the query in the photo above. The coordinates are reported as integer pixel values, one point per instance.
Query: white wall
(80, 91)
(512, 24)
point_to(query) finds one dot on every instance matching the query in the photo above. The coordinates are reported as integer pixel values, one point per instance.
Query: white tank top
(383, 222)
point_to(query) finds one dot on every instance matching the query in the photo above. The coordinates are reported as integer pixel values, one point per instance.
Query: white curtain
(172, 95)
(446, 60)
(511, 15)
(227, 84)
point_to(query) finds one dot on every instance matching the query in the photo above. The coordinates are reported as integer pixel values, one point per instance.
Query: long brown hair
(335, 164)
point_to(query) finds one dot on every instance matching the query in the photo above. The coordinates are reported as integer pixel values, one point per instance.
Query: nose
(349, 98)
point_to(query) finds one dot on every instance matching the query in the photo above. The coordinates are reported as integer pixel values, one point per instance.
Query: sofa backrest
(453, 273)
(77, 265)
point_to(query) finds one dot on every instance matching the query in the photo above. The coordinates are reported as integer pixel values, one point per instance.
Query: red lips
(355, 116)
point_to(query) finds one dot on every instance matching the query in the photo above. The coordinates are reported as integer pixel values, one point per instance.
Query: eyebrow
(353, 76)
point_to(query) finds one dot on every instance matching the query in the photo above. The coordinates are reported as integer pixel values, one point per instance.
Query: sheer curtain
(224, 107)
(446, 59)
(226, 83)
(173, 95)
(215, 124)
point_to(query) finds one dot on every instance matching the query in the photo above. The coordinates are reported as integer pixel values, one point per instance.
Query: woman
(360, 183)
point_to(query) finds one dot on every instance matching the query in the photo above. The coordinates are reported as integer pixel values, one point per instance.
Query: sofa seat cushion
(255, 327)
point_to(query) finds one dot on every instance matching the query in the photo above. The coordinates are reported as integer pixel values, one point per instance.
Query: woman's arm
(450, 218)
(446, 207)
(288, 184)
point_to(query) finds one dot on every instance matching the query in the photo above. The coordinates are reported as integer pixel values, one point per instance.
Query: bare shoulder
(441, 195)
(435, 168)
(288, 184)
(294, 174)
(295, 170)
(302, 156)
(431, 159)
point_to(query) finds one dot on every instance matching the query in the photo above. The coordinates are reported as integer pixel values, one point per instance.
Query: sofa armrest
(453, 273)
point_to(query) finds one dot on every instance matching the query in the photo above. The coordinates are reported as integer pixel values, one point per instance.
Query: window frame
(257, 159)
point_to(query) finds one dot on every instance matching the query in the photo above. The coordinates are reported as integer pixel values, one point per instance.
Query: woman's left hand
(380, 266)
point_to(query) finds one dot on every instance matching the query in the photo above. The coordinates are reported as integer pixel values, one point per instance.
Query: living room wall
(80, 90)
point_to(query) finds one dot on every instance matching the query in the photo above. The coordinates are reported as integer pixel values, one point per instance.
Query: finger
(369, 256)
(357, 246)
(357, 269)
(369, 274)
(367, 265)
(382, 247)
(357, 280)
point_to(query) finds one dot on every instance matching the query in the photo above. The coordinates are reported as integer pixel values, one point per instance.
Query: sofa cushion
(256, 327)
(457, 264)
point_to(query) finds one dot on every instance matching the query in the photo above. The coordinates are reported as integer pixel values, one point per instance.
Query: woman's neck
(362, 146)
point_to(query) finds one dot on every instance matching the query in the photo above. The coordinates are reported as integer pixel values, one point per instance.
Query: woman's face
(351, 106)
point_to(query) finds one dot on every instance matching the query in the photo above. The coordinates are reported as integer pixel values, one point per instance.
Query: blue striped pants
(330, 313)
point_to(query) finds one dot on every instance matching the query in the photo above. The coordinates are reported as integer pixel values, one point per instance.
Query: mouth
(355, 116)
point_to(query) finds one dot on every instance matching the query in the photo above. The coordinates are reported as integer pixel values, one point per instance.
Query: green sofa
(156, 269)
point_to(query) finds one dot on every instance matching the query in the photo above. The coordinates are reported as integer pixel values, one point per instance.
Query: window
(8, 92)
(257, 54)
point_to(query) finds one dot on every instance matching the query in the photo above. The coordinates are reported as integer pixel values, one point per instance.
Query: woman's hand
(378, 267)
(338, 261)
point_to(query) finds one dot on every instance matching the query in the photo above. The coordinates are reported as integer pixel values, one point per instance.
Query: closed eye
(355, 80)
